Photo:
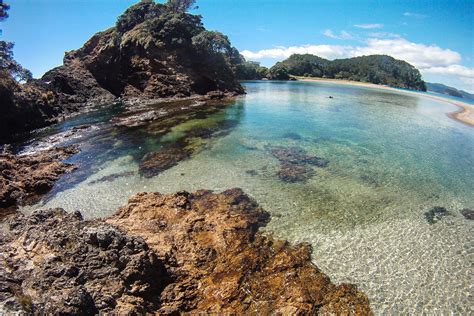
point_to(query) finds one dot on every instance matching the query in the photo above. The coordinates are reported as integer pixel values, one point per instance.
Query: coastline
(465, 113)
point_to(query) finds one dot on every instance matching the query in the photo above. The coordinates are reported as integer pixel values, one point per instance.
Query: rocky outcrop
(25, 178)
(152, 52)
(55, 263)
(220, 263)
(179, 253)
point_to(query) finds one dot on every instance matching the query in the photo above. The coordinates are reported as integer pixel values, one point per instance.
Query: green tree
(213, 42)
(3, 10)
(181, 5)
(278, 72)
(9, 65)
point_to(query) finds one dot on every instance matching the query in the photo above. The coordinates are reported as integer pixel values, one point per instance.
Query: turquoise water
(391, 158)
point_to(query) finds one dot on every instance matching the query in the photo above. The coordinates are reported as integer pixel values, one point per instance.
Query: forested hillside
(378, 69)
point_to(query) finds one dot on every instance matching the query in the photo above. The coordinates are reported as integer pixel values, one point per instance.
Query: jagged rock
(178, 253)
(56, 263)
(25, 178)
(219, 263)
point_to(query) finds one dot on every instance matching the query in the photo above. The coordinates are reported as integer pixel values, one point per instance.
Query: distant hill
(444, 89)
(378, 69)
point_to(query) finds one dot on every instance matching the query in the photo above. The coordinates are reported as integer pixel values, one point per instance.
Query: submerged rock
(56, 263)
(220, 263)
(436, 214)
(297, 155)
(467, 213)
(290, 172)
(155, 162)
(25, 178)
(295, 163)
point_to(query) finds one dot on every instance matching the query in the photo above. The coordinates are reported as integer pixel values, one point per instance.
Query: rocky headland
(180, 253)
(153, 52)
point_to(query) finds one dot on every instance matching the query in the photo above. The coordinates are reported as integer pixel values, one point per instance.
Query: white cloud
(414, 15)
(420, 55)
(343, 35)
(325, 51)
(384, 35)
(369, 26)
(429, 59)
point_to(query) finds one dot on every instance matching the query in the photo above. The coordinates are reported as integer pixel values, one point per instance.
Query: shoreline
(465, 113)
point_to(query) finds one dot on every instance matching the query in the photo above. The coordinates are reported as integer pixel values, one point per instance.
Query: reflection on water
(354, 175)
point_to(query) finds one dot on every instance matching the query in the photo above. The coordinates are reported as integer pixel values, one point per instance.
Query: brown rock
(24, 179)
(219, 263)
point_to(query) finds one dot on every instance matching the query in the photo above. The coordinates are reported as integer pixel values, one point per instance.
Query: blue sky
(435, 36)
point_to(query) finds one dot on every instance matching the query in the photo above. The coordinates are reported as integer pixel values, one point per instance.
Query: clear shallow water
(392, 157)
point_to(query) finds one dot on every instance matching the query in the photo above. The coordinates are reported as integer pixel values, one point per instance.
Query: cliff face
(151, 53)
(179, 253)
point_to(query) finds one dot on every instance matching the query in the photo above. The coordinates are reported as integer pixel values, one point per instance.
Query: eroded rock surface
(55, 263)
(218, 261)
(25, 178)
(178, 253)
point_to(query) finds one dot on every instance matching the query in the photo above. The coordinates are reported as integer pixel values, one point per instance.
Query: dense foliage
(250, 70)
(378, 69)
(8, 65)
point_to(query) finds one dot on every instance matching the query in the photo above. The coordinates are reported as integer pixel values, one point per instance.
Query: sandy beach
(465, 114)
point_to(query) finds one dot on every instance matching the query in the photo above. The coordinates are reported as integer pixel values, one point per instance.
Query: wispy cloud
(415, 15)
(384, 35)
(343, 35)
(262, 29)
(369, 26)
